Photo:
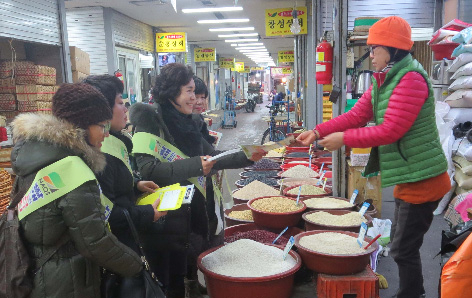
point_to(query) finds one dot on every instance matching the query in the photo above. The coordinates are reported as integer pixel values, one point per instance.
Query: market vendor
(169, 148)
(405, 143)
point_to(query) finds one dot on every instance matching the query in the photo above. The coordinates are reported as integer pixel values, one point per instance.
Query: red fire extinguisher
(119, 75)
(324, 63)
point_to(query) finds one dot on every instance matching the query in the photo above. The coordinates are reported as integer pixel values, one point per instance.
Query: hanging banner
(204, 54)
(238, 66)
(286, 56)
(279, 20)
(246, 69)
(281, 70)
(257, 68)
(171, 42)
(226, 63)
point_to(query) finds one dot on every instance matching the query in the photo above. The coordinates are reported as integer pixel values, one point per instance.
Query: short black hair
(110, 86)
(200, 87)
(168, 83)
(396, 54)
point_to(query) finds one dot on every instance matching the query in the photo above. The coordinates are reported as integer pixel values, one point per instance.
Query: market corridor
(249, 130)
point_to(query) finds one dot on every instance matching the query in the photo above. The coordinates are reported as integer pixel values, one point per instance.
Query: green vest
(418, 155)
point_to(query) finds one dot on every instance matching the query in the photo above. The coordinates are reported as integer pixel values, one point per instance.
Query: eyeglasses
(372, 48)
(106, 127)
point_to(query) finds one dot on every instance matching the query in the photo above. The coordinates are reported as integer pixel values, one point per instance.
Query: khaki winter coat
(74, 271)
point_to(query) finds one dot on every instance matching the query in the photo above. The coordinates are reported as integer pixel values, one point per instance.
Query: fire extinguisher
(324, 63)
(119, 75)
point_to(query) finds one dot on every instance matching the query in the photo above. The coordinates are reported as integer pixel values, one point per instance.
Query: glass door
(129, 67)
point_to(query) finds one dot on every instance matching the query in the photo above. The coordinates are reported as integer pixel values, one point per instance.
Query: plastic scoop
(372, 241)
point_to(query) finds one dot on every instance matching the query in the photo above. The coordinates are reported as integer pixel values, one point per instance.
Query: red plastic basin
(444, 50)
(230, 221)
(291, 231)
(311, 226)
(338, 198)
(334, 264)
(276, 220)
(273, 286)
(329, 192)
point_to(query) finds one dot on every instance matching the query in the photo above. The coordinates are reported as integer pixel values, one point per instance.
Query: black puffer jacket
(118, 185)
(74, 271)
(147, 118)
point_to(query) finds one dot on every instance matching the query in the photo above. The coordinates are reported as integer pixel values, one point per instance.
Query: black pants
(411, 222)
(170, 268)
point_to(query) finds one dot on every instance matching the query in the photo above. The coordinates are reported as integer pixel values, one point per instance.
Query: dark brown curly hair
(168, 83)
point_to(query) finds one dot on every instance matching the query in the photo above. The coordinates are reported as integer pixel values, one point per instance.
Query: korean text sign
(279, 20)
(171, 42)
(204, 54)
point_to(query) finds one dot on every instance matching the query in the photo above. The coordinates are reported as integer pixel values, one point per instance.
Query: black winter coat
(118, 185)
(176, 228)
(74, 270)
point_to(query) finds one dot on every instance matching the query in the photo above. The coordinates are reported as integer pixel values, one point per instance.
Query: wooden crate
(364, 284)
(372, 191)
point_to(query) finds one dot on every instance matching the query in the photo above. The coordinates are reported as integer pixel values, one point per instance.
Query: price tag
(360, 238)
(364, 208)
(288, 247)
(354, 196)
(281, 233)
(299, 192)
(321, 178)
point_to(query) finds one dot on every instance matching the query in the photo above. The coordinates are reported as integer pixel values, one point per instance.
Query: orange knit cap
(391, 32)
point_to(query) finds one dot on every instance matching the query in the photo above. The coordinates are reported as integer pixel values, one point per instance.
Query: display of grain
(276, 205)
(244, 215)
(299, 171)
(328, 219)
(327, 203)
(255, 189)
(333, 243)
(307, 190)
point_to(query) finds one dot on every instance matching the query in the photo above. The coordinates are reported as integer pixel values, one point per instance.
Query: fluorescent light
(234, 44)
(242, 40)
(238, 35)
(251, 44)
(223, 21)
(254, 50)
(250, 48)
(212, 9)
(231, 29)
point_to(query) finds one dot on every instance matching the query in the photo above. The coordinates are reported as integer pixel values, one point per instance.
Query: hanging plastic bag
(457, 272)
(382, 227)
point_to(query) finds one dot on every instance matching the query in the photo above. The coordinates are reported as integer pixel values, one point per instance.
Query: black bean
(264, 164)
(257, 235)
(268, 181)
(259, 174)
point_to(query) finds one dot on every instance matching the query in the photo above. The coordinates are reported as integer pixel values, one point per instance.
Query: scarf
(184, 130)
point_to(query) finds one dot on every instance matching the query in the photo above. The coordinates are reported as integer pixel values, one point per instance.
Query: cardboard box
(6, 52)
(80, 60)
(78, 76)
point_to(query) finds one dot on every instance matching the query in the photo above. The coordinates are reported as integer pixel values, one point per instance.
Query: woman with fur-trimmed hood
(78, 126)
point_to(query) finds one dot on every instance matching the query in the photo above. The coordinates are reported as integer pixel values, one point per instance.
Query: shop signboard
(171, 42)
(238, 66)
(226, 62)
(204, 54)
(281, 70)
(257, 68)
(279, 20)
(246, 69)
(286, 56)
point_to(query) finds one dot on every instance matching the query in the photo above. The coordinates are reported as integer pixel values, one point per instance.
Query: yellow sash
(115, 147)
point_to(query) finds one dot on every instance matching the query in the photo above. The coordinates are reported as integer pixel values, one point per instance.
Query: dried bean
(265, 180)
(257, 235)
(250, 174)
(255, 189)
(276, 205)
(297, 154)
(264, 164)
(244, 215)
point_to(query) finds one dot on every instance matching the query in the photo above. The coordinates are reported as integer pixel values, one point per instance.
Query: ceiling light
(242, 40)
(250, 48)
(253, 50)
(231, 29)
(251, 44)
(238, 35)
(234, 44)
(212, 9)
(223, 21)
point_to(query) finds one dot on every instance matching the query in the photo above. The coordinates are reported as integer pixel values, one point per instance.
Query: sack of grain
(34, 106)
(7, 68)
(7, 86)
(35, 92)
(7, 102)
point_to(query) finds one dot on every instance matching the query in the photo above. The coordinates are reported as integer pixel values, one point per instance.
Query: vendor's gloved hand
(383, 284)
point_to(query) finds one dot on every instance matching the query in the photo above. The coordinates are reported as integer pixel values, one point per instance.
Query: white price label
(354, 196)
(288, 247)
(364, 208)
(360, 238)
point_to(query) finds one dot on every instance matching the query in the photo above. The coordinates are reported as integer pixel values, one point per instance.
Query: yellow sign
(204, 54)
(279, 20)
(257, 68)
(246, 69)
(281, 70)
(286, 56)
(226, 62)
(171, 42)
(239, 66)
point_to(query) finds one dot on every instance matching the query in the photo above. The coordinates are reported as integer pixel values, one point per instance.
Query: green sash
(56, 180)
(147, 143)
(115, 147)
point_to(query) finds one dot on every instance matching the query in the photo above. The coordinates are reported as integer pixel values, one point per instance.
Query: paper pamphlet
(249, 150)
(171, 197)
(224, 154)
